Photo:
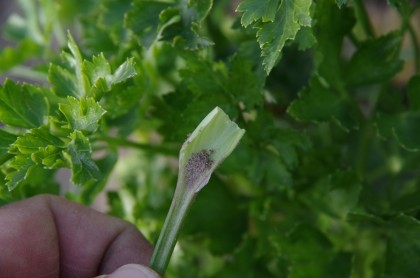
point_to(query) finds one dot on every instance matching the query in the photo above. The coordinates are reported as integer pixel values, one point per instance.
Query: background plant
(325, 181)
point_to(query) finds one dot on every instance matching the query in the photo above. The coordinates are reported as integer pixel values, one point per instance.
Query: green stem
(28, 73)
(168, 236)
(145, 147)
(364, 18)
(415, 46)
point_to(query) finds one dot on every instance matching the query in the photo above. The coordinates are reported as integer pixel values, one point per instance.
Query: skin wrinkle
(69, 263)
(79, 241)
(106, 254)
(119, 246)
(52, 215)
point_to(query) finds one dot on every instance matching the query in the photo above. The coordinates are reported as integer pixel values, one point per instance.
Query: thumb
(132, 271)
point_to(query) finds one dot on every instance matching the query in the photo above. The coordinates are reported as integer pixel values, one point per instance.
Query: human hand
(47, 236)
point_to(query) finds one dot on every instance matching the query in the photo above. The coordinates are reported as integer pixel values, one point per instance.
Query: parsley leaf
(22, 105)
(153, 20)
(83, 114)
(84, 169)
(23, 166)
(375, 61)
(322, 104)
(275, 25)
(80, 78)
(35, 139)
(255, 10)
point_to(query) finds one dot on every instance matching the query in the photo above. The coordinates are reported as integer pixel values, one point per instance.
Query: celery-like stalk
(205, 149)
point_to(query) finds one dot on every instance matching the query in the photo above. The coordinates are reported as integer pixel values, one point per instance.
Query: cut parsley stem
(210, 143)
(170, 231)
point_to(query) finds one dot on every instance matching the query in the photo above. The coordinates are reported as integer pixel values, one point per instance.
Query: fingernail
(132, 271)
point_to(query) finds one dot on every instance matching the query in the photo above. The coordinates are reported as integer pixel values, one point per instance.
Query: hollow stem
(165, 245)
(210, 143)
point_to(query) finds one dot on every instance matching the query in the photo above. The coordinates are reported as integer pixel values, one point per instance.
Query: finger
(132, 271)
(48, 236)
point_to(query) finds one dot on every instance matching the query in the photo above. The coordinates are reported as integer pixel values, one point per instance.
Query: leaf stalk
(165, 245)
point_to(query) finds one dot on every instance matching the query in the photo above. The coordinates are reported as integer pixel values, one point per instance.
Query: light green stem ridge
(167, 239)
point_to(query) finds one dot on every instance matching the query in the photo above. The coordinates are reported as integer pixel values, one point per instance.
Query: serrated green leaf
(214, 82)
(98, 68)
(77, 76)
(206, 85)
(91, 190)
(144, 20)
(5, 140)
(22, 105)
(82, 115)
(198, 10)
(375, 61)
(305, 38)
(101, 79)
(22, 165)
(243, 83)
(34, 140)
(170, 21)
(272, 36)
(190, 38)
(320, 104)
(63, 80)
(121, 100)
(254, 10)
(123, 72)
(111, 18)
(332, 25)
(37, 147)
(76, 62)
(84, 169)
(51, 157)
(84, 78)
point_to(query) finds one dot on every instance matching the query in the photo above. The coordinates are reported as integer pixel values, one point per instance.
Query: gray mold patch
(197, 165)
